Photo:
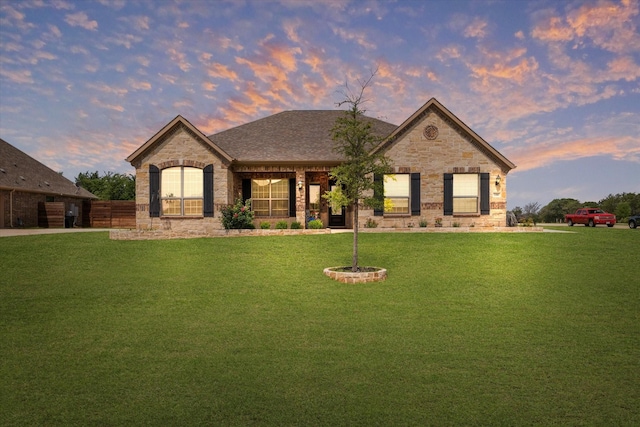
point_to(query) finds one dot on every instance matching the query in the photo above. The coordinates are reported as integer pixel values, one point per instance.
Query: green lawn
(484, 329)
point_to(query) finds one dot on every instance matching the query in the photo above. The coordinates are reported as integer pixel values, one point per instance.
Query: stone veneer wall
(181, 148)
(449, 152)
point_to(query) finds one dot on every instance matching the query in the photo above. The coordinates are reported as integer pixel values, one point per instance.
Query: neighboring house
(443, 169)
(26, 185)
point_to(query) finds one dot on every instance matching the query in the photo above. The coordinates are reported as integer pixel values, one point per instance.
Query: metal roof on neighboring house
(21, 172)
(289, 136)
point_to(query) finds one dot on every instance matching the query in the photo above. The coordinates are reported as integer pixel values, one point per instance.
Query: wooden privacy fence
(109, 214)
(51, 214)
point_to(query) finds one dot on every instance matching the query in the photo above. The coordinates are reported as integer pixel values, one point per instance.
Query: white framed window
(270, 197)
(397, 191)
(466, 193)
(181, 191)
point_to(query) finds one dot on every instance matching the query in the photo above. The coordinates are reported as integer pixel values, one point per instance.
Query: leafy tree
(617, 204)
(110, 186)
(530, 211)
(557, 209)
(623, 211)
(354, 140)
(517, 211)
(610, 203)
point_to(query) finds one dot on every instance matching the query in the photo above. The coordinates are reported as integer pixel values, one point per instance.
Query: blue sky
(553, 85)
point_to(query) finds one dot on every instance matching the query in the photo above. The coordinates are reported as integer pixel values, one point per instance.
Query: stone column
(301, 195)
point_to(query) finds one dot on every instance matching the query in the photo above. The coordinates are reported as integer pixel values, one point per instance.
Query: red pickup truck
(590, 217)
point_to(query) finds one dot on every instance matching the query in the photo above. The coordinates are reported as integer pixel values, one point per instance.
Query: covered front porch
(291, 195)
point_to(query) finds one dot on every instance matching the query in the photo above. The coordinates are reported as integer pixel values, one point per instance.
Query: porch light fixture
(498, 179)
(300, 185)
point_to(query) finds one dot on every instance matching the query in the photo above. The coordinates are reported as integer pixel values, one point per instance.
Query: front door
(337, 217)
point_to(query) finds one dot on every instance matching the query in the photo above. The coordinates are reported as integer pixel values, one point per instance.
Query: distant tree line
(622, 205)
(110, 186)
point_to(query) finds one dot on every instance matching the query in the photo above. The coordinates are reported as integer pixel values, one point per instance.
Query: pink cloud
(213, 125)
(179, 58)
(552, 30)
(273, 66)
(352, 35)
(139, 85)
(105, 88)
(143, 60)
(126, 40)
(18, 76)
(182, 105)
(114, 107)
(80, 19)
(141, 22)
(609, 25)
(535, 156)
(171, 79)
(449, 52)
(476, 29)
(518, 72)
(623, 67)
(39, 55)
(221, 71)
(291, 30)
(227, 43)
(14, 18)
(208, 86)
(55, 31)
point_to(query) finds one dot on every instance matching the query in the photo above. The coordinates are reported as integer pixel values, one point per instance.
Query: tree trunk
(354, 263)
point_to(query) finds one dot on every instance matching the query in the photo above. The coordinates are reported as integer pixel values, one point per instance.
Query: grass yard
(483, 329)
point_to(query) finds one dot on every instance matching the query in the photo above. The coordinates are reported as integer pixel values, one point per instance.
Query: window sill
(397, 215)
(470, 215)
(180, 217)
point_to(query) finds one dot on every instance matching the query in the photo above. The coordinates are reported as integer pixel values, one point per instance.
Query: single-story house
(443, 171)
(31, 193)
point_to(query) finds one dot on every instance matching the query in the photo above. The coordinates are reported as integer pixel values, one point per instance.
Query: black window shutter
(292, 197)
(208, 190)
(154, 191)
(378, 193)
(484, 194)
(246, 190)
(448, 194)
(415, 194)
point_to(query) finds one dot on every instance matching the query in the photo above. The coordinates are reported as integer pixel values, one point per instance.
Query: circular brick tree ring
(365, 275)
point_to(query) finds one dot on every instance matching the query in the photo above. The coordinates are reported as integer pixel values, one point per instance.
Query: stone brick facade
(180, 147)
(451, 151)
(431, 143)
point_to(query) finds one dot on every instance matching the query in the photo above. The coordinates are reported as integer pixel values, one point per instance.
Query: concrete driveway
(8, 232)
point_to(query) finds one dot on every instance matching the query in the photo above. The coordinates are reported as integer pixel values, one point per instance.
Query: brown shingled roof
(289, 136)
(21, 172)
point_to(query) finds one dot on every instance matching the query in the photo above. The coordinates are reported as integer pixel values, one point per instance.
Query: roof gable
(178, 121)
(455, 122)
(21, 172)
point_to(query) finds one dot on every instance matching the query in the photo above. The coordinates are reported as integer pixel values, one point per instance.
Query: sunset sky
(553, 85)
